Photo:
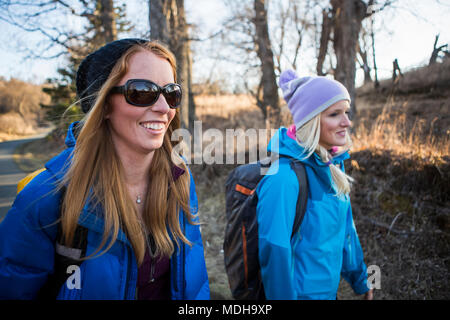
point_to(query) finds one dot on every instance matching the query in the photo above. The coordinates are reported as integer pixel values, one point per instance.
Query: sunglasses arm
(119, 89)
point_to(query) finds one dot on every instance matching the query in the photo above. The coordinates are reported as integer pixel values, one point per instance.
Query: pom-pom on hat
(94, 70)
(308, 96)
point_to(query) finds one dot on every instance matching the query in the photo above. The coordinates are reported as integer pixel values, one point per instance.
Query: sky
(406, 32)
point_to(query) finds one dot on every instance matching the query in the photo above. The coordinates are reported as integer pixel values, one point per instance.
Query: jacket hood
(282, 144)
(59, 164)
(72, 134)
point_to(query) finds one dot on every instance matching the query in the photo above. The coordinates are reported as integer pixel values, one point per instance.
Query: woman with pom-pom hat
(310, 264)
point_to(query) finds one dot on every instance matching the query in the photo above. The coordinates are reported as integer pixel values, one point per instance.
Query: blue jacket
(309, 265)
(27, 246)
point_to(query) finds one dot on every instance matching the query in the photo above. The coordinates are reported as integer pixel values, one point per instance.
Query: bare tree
(168, 25)
(372, 37)
(437, 50)
(395, 69)
(101, 20)
(293, 23)
(98, 22)
(260, 53)
(341, 26)
(347, 19)
(268, 82)
(324, 39)
(283, 18)
(158, 18)
(363, 53)
(108, 20)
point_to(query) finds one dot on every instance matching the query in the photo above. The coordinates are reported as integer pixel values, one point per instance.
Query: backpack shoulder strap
(64, 257)
(302, 199)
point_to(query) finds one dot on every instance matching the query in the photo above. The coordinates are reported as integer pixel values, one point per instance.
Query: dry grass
(13, 123)
(392, 130)
(234, 111)
(228, 111)
(20, 111)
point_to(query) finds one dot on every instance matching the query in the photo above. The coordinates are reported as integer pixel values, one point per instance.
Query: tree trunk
(158, 16)
(436, 51)
(324, 38)
(191, 100)
(265, 55)
(372, 36)
(347, 16)
(168, 25)
(108, 20)
(365, 65)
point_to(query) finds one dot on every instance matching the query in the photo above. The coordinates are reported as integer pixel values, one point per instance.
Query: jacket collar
(282, 143)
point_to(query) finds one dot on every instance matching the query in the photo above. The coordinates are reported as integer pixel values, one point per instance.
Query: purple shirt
(153, 281)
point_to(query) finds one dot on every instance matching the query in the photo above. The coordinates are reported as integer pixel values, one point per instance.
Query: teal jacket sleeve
(354, 270)
(27, 236)
(277, 199)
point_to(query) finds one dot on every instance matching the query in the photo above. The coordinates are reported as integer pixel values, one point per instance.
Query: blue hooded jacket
(309, 265)
(27, 247)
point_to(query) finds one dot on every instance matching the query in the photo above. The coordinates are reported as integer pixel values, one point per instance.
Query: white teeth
(153, 125)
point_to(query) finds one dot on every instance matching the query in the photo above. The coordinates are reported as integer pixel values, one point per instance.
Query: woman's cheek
(171, 116)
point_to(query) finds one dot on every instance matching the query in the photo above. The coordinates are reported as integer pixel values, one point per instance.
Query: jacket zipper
(152, 271)
(150, 280)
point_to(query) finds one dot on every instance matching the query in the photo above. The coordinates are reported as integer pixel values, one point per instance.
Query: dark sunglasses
(144, 93)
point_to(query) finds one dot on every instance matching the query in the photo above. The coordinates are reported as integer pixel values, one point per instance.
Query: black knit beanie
(94, 70)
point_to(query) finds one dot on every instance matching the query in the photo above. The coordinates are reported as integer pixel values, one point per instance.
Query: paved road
(10, 174)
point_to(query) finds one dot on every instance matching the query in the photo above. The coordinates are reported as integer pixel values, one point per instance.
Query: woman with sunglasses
(309, 265)
(117, 203)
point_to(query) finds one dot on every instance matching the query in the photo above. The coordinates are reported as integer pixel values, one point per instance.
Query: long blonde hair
(308, 137)
(96, 173)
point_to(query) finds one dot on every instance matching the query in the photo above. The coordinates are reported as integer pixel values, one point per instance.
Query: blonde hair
(96, 173)
(308, 137)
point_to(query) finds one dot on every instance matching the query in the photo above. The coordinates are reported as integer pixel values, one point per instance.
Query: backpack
(241, 235)
(64, 256)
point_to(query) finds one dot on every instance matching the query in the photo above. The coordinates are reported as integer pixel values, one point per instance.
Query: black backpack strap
(302, 199)
(64, 257)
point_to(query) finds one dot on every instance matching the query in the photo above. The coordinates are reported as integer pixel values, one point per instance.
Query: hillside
(421, 96)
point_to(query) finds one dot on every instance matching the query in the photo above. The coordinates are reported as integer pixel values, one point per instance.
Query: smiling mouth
(341, 133)
(157, 126)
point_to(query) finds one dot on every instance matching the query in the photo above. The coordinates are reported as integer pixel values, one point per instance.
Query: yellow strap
(22, 183)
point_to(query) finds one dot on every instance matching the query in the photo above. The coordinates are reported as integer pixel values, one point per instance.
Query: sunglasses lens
(142, 93)
(172, 93)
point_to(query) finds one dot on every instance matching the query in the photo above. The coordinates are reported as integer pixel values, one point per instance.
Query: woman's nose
(346, 121)
(161, 105)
